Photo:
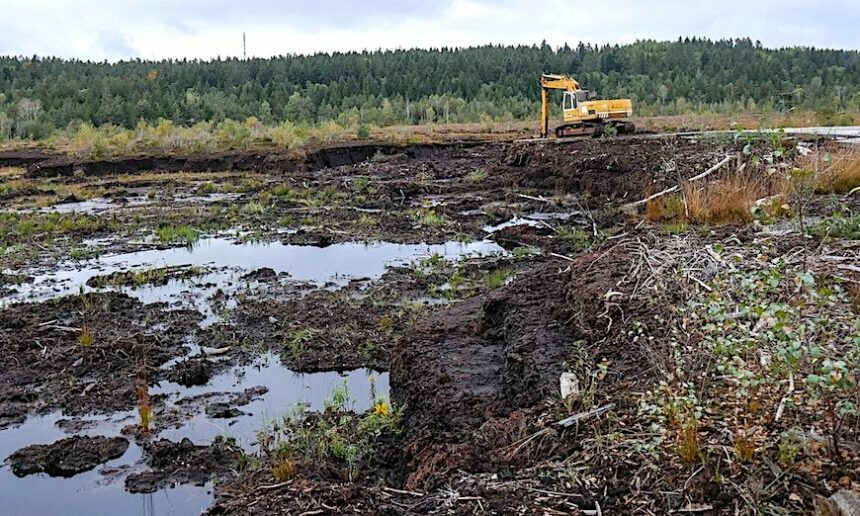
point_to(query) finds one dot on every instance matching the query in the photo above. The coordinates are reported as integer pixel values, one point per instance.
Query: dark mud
(67, 457)
(183, 462)
(608, 169)
(40, 166)
(191, 372)
(48, 365)
(225, 405)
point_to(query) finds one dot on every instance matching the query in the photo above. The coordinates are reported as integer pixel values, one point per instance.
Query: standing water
(101, 491)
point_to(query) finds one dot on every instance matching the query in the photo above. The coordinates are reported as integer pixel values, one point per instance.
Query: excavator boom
(559, 82)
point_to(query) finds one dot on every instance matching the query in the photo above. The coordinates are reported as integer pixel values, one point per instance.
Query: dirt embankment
(478, 363)
(44, 165)
(23, 158)
(623, 168)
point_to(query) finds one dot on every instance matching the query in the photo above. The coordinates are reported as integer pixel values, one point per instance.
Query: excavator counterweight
(582, 114)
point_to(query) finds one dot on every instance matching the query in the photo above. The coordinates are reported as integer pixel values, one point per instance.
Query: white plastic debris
(569, 385)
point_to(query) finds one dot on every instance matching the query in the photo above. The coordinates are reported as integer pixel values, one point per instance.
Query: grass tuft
(497, 278)
(479, 175)
(840, 174)
(429, 218)
(744, 446)
(172, 234)
(689, 447)
(284, 470)
(727, 200)
(86, 337)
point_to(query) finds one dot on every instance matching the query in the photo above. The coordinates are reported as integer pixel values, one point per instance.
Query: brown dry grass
(144, 408)
(726, 200)
(12, 172)
(744, 445)
(689, 448)
(141, 389)
(854, 295)
(284, 470)
(840, 174)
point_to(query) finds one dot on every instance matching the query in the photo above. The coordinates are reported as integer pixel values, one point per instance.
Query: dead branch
(563, 257)
(402, 491)
(678, 186)
(588, 414)
(781, 408)
(539, 198)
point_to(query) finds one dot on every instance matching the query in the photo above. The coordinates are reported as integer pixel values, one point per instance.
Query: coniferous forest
(39, 96)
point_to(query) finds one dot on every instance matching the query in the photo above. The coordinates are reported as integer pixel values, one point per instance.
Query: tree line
(39, 95)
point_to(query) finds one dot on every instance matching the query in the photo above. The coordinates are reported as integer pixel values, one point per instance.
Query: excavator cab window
(569, 101)
(583, 95)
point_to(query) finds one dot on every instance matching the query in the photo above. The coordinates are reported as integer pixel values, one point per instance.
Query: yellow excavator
(583, 115)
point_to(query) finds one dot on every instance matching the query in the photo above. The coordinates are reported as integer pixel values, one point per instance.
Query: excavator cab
(569, 101)
(572, 99)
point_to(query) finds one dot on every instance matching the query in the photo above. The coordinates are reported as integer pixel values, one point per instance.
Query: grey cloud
(342, 14)
(181, 27)
(10, 39)
(116, 45)
(198, 28)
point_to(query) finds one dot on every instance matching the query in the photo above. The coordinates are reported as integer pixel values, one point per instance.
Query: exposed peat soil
(184, 305)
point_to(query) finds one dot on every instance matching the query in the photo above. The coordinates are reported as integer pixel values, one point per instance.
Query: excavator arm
(552, 82)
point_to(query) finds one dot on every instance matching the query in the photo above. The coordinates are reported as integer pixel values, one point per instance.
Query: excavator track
(572, 130)
(593, 129)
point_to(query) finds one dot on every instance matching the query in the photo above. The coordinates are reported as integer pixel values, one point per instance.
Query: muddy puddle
(93, 206)
(101, 491)
(286, 392)
(95, 492)
(222, 264)
(107, 205)
(234, 404)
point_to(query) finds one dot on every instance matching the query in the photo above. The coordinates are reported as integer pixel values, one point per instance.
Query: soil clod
(183, 462)
(67, 457)
(191, 372)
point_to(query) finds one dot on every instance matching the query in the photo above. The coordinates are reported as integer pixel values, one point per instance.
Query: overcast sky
(121, 29)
